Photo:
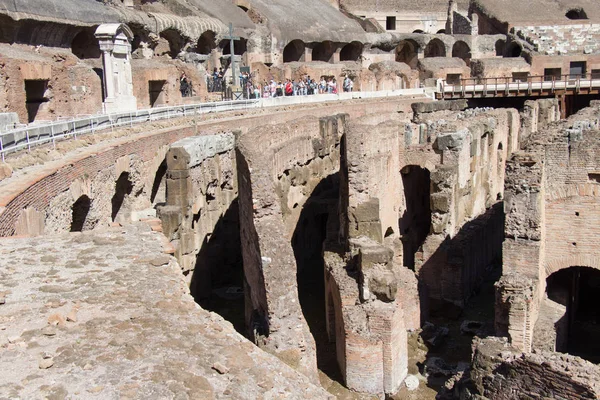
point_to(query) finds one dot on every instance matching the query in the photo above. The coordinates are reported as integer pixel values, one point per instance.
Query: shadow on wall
(159, 190)
(217, 282)
(318, 220)
(81, 208)
(123, 188)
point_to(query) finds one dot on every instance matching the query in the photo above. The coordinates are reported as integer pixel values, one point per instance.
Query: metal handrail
(38, 134)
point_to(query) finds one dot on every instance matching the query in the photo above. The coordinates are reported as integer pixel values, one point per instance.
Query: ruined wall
(500, 371)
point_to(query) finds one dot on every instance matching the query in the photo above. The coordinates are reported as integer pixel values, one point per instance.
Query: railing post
(27, 136)
(52, 136)
(1, 148)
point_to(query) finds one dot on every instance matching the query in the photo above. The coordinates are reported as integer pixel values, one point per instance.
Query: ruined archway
(294, 51)
(435, 48)
(576, 13)
(406, 52)
(323, 51)
(569, 315)
(415, 223)
(81, 208)
(499, 47)
(351, 51)
(514, 50)
(206, 42)
(461, 50)
(85, 45)
(123, 188)
(176, 41)
(318, 212)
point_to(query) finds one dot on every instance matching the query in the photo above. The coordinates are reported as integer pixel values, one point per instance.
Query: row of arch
(323, 51)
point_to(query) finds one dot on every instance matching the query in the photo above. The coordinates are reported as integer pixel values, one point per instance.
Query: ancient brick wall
(561, 39)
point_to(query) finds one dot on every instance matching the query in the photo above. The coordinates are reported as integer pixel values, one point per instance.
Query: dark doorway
(100, 74)
(35, 96)
(576, 13)
(123, 188)
(319, 212)
(390, 23)
(351, 52)
(323, 51)
(406, 52)
(176, 41)
(156, 92)
(207, 42)
(577, 69)
(552, 74)
(239, 47)
(578, 289)
(81, 208)
(435, 48)
(85, 45)
(294, 51)
(499, 46)
(218, 279)
(415, 223)
(514, 50)
(461, 50)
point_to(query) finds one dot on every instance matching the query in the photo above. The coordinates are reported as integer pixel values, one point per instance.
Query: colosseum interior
(316, 199)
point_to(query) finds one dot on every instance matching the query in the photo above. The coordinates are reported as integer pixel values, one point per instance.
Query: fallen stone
(5, 170)
(411, 382)
(437, 367)
(56, 319)
(46, 362)
(48, 331)
(72, 316)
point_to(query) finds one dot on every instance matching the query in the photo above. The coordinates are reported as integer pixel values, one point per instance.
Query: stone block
(451, 141)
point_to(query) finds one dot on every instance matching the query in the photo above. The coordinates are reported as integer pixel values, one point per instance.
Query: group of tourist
(294, 87)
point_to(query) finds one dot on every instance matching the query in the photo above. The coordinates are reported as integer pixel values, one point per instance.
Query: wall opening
(415, 223)
(390, 23)
(499, 47)
(578, 290)
(35, 97)
(239, 46)
(323, 51)
(406, 52)
(206, 43)
(435, 48)
(217, 282)
(576, 13)
(462, 50)
(551, 74)
(294, 51)
(577, 69)
(319, 212)
(123, 188)
(158, 194)
(85, 45)
(351, 52)
(156, 92)
(441, 32)
(514, 50)
(81, 208)
(176, 41)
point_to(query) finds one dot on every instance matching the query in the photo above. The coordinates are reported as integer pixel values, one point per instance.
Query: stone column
(114, 40)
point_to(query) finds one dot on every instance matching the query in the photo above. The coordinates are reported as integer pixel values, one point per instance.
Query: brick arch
(579, 260)
(574, 190)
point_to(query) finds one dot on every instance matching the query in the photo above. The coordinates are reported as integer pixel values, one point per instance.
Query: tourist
(348, 84)
(184, 86)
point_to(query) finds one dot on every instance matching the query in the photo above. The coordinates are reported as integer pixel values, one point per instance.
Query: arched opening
(351, 52)
(435, 48)
(576, 13)
(418, 31)
(176, 41)
(514, 50)
(239, 46)
(318, 213)
(85, 45)
(294, 51)
(206, 42)
(461, 50)
(81, 208)
(406, 52)
(217, 282)
(571, 311)
(323, 51)
(499, 46)
(123, 188)
(244, 9)
(441, 32)
(415, 223)
(159, 186)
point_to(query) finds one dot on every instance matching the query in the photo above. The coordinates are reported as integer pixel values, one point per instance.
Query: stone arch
(85, 45)
(418, 31)
(351, 51)
(557, 264)
(206, 42)
(576, 13)
(407, 52)
(435, 48)
(294, 51)
(514, 50)
(80, 208)
(176, 41)
(441, 32)
(323, 51)
(461, 50)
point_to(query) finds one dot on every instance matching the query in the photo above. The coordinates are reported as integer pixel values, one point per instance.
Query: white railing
(35, 134)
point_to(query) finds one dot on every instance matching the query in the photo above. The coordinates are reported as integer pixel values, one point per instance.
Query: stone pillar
(307, 54)
(115, 45)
